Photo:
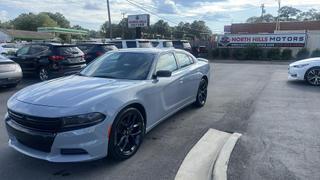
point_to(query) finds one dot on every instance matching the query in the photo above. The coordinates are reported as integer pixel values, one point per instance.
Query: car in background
(132, 43)
(161, 43)
(8, 48)
(182, 44)
(108, 107)
(200, 51)
(93, 50)
(50, 60)
(10, 72)
(307, 70)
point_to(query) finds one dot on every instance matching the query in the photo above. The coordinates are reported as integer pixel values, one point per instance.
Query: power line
(151, 12)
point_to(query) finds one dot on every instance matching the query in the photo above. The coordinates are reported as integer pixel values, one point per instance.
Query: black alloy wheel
(313, 76)
(43, 74)
(202, 93)
(126, 134)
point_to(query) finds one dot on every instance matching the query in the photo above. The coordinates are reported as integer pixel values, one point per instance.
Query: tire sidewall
(198, 103)
(306, 75)
(112, 151)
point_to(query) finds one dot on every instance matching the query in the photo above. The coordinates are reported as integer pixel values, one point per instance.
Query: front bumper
(296, 73)
(92, 142)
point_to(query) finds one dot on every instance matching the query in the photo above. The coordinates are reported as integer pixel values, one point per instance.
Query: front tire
(202, 93)
(127, 134)
(313, 76)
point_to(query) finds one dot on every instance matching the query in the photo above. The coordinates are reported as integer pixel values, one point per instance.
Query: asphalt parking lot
(279, 121)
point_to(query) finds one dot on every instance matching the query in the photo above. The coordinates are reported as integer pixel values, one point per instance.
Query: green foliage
(239, 54)
(315, 53)
(286, 54)
(274, 54)
(265, 18)
(224, 53)
(215, 53)
(288, 13)
(303, 53)
(254, 53)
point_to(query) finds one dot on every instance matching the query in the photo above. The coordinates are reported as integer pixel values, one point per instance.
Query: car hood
(305, 61)
(71, 91)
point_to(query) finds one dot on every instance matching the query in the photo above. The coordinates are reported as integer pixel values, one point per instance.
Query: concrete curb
(221, 164)
(209, 157)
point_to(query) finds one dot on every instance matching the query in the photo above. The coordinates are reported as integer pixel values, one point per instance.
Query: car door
(190, 78)
(169, 88)
(22, 58)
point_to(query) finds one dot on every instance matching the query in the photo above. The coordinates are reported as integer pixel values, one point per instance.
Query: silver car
(108, 107)
(10, 72)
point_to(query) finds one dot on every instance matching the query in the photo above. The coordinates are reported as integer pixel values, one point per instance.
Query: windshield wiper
(104, 76)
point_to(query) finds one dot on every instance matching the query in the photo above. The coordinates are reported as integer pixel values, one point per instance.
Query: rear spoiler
(202, 59)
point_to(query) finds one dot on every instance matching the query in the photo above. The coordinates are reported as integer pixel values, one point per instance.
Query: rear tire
(43, 74)
(312, 76)
(127, 134)
(202, 93)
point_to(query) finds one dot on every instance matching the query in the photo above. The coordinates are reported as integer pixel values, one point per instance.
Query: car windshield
(120, 65)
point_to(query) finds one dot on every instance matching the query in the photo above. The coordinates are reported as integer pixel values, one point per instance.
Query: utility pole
(123, 15)
(262, 11)
(278, 18)
(109, 17)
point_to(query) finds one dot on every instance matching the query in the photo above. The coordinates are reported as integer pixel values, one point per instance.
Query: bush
(224, 53)
(254, 53)
(273, 54)
(315, 53)
(286, 54)
(215, 53)
(303, 53)
(239, 54)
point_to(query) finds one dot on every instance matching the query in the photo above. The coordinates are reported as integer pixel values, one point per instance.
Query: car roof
(95, 43)
(150, 50)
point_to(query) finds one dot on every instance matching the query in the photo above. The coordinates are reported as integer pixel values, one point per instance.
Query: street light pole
(109, 17)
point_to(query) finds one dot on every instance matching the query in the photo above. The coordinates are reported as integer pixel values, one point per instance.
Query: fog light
(73, 151)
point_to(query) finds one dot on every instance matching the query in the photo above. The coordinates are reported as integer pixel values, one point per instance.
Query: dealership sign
(262, 40)
(140, 20)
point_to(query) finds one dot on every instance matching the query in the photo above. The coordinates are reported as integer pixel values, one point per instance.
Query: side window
(167, 62)
(118, 44)
(23, 51)
(37, 49)
(131, 44)
(183, 60)
(155, 43)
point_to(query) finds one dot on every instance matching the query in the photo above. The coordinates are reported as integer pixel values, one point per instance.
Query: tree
(161, 28)
(59, 18)
(32, 21)
(265, 18)
(310, 15)
(288, 13)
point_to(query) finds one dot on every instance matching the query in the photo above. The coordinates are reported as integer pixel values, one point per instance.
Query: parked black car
(49, 60)
(93, 50)
(182, 44)
(200, 51)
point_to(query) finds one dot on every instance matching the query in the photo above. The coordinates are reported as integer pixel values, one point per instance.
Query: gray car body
(73, 95)
(10, 72)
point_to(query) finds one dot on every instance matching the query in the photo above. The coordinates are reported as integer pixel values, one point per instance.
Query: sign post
(138, 22)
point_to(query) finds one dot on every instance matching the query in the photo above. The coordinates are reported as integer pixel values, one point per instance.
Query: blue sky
(91, 14)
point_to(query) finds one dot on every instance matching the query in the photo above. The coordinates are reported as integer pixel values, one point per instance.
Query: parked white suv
(161, 43)
(132, 43)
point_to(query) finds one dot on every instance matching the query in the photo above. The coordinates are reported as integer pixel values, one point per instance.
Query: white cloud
(4, 15)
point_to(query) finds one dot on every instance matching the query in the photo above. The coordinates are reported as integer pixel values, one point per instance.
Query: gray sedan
(108, 107)
(10, 72)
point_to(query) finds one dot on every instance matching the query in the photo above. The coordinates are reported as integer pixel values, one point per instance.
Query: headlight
(81, 121)
(300, 65)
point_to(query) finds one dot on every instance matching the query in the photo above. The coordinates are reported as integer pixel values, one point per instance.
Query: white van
(161, 43)
(132, 43)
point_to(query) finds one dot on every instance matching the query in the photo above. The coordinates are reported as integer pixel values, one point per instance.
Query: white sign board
(140, 20)
(262, 40)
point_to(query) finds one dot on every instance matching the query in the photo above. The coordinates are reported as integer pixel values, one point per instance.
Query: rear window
(181, 45)
(167, 44)
(131, 44)
(85, 47)
(109, 47)
(155, 43)
(118, 44)
(145, 44)
(68, 50)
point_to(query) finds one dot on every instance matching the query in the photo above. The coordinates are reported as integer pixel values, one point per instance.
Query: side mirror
(163, 73)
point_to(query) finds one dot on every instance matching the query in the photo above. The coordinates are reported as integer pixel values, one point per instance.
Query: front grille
(36, 123)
